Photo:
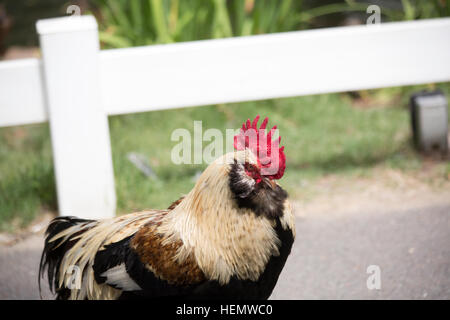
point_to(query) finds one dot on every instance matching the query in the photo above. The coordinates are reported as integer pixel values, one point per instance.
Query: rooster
(229, 237)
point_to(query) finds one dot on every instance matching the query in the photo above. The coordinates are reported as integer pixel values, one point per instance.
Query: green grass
(323, 134)
(26, 174)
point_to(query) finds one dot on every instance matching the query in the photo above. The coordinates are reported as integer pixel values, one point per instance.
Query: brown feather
(159, 257)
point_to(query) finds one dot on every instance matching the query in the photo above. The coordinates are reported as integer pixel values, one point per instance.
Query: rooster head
(270, 158)
(247, 176)
(257, 162)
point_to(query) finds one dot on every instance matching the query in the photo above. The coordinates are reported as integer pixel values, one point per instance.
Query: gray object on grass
(429, 117)
(140, 161)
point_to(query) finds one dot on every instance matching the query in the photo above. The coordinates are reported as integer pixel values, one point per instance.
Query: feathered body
(228, 238)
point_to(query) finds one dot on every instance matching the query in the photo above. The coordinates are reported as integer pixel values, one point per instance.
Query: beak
(273, 184)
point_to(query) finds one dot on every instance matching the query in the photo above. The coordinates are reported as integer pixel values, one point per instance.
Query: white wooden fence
(76, 86)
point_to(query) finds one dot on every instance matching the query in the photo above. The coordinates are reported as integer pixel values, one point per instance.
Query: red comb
(269, 153)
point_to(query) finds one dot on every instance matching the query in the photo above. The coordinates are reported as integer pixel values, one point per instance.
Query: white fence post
(78, 123)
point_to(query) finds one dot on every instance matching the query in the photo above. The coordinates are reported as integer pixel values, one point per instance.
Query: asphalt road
(329, 259)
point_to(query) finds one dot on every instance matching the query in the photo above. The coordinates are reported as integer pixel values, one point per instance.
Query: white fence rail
(76, 85)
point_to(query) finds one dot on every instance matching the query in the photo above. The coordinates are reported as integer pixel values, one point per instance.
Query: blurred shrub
(142, 22)
(421, 9)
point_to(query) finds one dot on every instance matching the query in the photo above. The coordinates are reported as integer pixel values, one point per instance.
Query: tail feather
(54, 251)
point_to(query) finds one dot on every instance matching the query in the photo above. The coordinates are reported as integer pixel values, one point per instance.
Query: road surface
(329, 260)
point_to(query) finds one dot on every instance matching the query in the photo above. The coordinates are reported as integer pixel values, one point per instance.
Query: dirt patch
(37, 227)
(383, 190)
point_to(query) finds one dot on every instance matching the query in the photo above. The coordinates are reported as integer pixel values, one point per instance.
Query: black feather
(112, 255)
(152, 286)
(261, 198)
(54, 252)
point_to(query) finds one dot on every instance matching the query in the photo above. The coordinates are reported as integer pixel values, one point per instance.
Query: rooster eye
(253, 172)
(250, 167)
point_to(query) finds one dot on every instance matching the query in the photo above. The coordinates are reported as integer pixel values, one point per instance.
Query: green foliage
(422, 9)
(143, 22)
(140, 22)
